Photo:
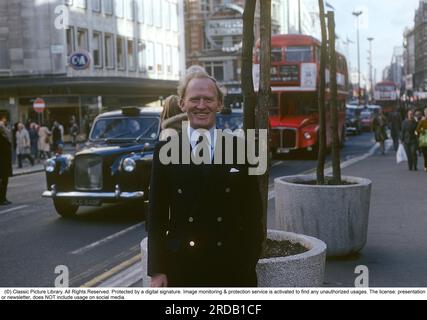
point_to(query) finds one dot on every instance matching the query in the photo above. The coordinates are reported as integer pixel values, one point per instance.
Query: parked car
(366, 118)
(352, 119)
(114, 166)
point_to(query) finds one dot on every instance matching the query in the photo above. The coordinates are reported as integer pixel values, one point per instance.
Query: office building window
(168, 59)
(150, 56)
(70, 40)
(4, 54)
(175, 60)
(121, 58)
(159, 58)
(82, 39)
(142, 59)
(139, 7)
(109, 50)
(205, 5)
(157, 11)
(96, 49)
(96, 5)
(166, 15)
(119, 8)
(174, 16)
(81, 4)
(131, 55)
(108, 7)
(148, 9)
(129, 10)
(215, 69)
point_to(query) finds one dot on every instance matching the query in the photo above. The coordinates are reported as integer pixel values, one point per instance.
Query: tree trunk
(321, 99)
(249, 96)
(336, 163)
(265, 90)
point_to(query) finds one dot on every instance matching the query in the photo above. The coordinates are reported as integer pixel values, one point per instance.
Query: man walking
(410, 140)
(205, 221)
(5, 161)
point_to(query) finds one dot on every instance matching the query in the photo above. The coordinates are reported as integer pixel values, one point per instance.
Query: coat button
(191, 219)
(180, 191)
(219, 244)
(227, 190)
(192, 243)
(219, 219)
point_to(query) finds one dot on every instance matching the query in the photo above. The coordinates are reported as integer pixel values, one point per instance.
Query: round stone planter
(337, 215)
(302, 270)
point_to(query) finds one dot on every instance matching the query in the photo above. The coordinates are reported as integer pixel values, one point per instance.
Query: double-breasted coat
(204, 224)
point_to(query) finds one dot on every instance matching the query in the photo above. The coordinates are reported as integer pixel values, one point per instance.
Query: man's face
(201, 103)
(411, 115)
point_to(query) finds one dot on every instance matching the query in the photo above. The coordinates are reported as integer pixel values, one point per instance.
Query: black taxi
(113, 166)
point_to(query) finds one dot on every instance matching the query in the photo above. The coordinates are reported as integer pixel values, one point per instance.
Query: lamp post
(357, 14)
(371, 81)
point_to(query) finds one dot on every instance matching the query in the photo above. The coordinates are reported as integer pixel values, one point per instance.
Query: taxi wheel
(64, 208)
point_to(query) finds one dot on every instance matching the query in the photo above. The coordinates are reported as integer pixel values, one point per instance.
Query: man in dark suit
(5, 161)
(205, 221)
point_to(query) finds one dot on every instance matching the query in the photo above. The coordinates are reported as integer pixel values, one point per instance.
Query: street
(35, 240)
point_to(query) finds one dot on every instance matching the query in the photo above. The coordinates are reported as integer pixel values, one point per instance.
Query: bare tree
(321, 98)
(336, 163)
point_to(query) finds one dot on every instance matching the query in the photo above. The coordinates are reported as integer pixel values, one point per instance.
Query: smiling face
(201, 103)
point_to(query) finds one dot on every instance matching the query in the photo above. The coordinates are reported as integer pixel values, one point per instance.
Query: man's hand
(159, 281)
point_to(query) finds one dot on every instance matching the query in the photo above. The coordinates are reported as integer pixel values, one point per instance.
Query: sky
(384, 20)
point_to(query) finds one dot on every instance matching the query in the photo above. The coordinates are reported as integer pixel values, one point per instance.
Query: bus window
(298, 54)
(276, 54)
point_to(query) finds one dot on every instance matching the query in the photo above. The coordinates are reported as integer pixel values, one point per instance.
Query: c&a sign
(80, 60)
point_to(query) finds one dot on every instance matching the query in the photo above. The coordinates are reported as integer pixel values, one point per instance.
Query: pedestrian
(379, 125)
(74, 132)
(5, 161)
(44, 141)
(422, 137)
(171, 117)
(34, 140)
(205, 221)
(23, 145)
(56, 136)
(395, 127)
(409, 140)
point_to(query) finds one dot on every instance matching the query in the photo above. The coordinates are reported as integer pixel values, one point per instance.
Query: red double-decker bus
(294, 116)
(386, 95)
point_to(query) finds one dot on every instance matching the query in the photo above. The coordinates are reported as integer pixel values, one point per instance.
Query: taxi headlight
(129, 165)
(50, 166)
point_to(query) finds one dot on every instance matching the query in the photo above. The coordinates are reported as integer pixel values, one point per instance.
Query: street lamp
(357, 14)
(371, 81)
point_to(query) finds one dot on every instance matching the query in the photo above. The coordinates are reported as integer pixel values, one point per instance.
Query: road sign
(39, 105)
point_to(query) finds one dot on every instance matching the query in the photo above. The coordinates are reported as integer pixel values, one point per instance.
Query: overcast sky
(384, 20)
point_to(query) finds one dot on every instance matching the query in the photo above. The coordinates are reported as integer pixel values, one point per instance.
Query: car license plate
(283, 150)
(86, 202)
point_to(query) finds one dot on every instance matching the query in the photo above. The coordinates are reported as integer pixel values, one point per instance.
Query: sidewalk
(395, 253)
(38, 167)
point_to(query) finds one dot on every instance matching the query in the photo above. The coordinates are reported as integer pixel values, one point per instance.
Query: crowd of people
(411, 132)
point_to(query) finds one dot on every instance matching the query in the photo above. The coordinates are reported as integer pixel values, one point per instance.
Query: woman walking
(422, 137)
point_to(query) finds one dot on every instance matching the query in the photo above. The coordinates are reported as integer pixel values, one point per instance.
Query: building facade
(420, 39)
(409, 60)
(86, 56)
(214, 33)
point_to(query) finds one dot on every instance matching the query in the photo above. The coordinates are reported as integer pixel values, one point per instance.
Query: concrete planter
(302, 270)
(337, 215)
